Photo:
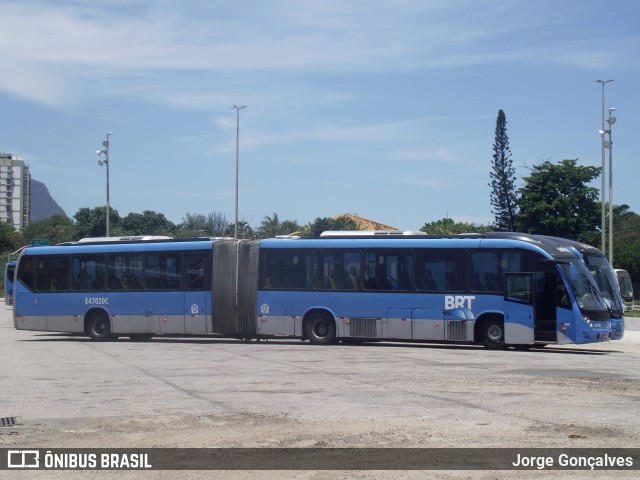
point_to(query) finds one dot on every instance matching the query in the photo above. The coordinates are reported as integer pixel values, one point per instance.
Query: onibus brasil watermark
(27, 459)
(320, 458)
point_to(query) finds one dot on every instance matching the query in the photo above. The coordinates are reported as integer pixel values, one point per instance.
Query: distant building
(365, 223)
(14, 191)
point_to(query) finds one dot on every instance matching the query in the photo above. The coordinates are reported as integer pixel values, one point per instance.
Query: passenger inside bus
(429, 283)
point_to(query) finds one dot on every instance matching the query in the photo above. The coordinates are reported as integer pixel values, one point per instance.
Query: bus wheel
(320, 329)
(493, 335)
(99, 327)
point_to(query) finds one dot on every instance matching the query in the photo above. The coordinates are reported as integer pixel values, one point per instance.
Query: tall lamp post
(101, 162)
(603, 230)
(608, 144)
(237, 108)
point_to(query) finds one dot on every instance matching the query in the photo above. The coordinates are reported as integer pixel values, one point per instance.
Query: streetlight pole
(611, 120)
(609, 144)
(603, 229)
(101, 162)
(235, 230)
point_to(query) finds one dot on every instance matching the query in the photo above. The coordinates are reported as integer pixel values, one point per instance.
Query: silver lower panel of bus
(161, 324)
(363, 327)
(51, 323)
(397, 328)
(457, 331)
(121, 324)
(427, 329)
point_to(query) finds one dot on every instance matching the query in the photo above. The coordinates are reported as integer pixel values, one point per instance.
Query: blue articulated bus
(626, 288)
(492, 291)
(596, 262)
(105, 290)
(606, 279)
(9, 273)
(495, 291)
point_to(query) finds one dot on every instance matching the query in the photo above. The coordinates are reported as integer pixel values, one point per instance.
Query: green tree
(147, 223)
(91, 222)
(56, 229)
(503, 177)
(272, 226)
(556, 200)
(214, 224)
(626, 245)
(244, 230)
(313, 230)
(10, 239)
(447, 226)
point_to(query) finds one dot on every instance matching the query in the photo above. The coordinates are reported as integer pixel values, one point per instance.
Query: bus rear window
(27, 272)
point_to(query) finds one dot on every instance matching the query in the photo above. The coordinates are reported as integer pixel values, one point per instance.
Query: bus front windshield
(585, 289)
(606, 280)
(626, 287)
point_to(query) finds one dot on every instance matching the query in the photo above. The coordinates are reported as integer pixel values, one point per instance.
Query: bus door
(548, 286)
(196, 294)
(519, 311)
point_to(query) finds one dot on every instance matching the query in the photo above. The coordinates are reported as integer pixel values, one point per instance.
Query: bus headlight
(588, 321)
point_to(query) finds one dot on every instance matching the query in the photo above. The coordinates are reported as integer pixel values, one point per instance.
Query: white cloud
(59, 52)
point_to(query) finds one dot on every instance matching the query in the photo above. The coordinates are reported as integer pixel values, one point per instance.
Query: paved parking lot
(211, 392)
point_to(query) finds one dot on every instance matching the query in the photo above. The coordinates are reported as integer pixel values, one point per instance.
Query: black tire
(493, 334)
(99, 327)
(320, 329)
(140, 337)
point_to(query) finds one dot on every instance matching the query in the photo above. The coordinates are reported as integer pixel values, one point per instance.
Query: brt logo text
(458, 301)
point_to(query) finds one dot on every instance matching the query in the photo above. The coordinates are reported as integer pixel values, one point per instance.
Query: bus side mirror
(573, 273)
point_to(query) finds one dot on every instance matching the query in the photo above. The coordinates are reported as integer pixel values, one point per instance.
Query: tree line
(554, 199)
(90, 222)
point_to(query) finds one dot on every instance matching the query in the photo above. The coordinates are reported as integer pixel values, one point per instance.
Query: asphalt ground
(70, 392)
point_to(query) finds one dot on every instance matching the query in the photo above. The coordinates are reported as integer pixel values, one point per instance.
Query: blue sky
(386, 109)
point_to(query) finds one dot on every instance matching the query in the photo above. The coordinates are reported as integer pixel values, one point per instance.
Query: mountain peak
(43, 205)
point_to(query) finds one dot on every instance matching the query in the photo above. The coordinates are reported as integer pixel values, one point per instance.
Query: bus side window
(388, 270)
(87, 273)
(489, 268)
(345, 271)
(372, 272)
(195, 271)
(52, 274)
(162, 272)
(428, 282)
(125, 272)
(287, 270)
(440, 271)
(115, 271)
(562, 296)
(272, 278)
